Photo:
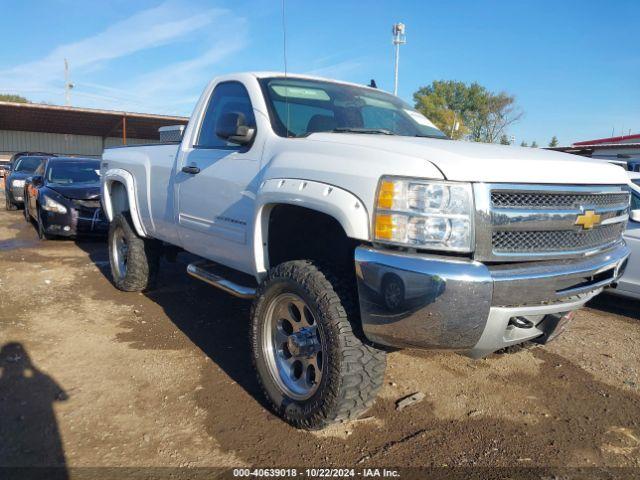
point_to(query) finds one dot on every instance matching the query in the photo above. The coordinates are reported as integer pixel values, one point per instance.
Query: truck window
(635, 200)
(305, 118)
(226, 97)
(299, 107)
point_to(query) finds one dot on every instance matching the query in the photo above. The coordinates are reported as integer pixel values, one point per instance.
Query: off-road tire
(143, 257)
(8, 204)
(353, 370)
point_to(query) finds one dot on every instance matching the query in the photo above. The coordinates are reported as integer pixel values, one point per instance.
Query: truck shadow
(627, 307)
(580, 420)
(217, 323)
(576, 418)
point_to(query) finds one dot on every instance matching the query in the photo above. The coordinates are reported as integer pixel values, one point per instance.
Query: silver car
(629, 283)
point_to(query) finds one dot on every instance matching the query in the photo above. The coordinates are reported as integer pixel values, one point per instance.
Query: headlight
(427, 214)
(17, 183)
(52, 206)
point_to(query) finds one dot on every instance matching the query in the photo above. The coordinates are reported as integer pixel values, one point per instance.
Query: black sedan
(21, 169)
(63, 197)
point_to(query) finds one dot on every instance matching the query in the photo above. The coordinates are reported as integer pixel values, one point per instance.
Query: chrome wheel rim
(119, 252)
(293, 346)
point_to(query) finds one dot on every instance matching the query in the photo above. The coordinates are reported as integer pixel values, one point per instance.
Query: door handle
(191, 169)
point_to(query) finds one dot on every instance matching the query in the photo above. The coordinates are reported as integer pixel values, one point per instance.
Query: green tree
(504, 140)
(524, 144)
(446, 102)
(7, 97)
(554, 141)
(534, 144)
(483, 115)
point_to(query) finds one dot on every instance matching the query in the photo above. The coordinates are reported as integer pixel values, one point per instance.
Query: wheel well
(297, 233)
(119, 198)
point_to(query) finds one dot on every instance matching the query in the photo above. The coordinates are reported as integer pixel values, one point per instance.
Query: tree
(483, 115)
(554, 141)
(7, 97)
(444, 103)
(504, 140)
(534, 144)
(524, 144)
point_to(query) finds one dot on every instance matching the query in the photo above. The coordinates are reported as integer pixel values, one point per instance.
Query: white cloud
(339, 70)
(167, 88)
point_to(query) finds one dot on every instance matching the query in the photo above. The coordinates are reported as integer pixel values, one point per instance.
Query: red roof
(609, 140)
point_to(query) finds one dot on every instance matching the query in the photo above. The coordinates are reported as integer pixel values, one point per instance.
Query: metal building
(74, 131)
(622, 149)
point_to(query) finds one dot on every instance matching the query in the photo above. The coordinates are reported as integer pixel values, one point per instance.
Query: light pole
(399, 38)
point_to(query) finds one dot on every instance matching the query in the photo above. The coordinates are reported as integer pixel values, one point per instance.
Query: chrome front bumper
(437, 302)
(16, 194)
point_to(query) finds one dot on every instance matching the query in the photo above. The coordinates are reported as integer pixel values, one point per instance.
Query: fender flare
(347, 209)
(119, 175)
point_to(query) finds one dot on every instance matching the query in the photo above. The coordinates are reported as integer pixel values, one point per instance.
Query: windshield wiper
(441, 137)
(372, 131)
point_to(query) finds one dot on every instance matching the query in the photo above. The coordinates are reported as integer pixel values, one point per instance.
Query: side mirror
(232, 126)
(37, 180)
(634, 215)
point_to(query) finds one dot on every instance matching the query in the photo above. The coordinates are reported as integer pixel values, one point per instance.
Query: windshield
(73, 173)
(27, 164)
(300, 107)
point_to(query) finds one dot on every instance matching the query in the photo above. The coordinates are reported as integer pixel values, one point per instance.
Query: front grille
(546, 200)
(533, 222)
(555, 240)
(87, 203)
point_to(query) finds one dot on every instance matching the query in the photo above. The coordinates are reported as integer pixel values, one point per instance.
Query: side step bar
(202, 270)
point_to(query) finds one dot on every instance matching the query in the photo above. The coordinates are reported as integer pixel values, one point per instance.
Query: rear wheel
(313, 368)
(134, 260)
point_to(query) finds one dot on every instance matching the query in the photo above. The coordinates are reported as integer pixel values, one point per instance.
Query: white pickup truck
(356, 226)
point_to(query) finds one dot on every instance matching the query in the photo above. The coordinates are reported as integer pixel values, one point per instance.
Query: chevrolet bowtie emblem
(588, 219)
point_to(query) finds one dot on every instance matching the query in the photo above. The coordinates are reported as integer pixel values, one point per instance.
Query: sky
(573, 66)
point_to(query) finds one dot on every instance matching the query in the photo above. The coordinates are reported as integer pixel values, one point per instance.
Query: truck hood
(482, 162)
(75, 192)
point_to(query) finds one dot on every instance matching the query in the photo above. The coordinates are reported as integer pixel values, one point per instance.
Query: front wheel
(312, 367)
(42, 234)
(134, 260)
(8, 204)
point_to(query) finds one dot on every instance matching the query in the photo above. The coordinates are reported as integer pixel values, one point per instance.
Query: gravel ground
(92, 376)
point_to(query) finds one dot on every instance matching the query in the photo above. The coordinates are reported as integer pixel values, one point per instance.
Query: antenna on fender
(284, 57)
(284, 39)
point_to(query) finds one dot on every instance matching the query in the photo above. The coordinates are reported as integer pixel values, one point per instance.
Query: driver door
(215, 204)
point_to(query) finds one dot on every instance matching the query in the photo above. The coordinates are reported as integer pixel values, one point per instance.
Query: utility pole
(456, 125)
(399, 38)
(67, 84)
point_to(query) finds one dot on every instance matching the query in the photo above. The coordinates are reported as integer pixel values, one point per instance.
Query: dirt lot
(96, 377)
